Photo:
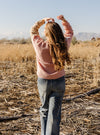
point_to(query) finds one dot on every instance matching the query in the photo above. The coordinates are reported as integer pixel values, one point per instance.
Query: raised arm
(37, 25)
(66, 25)
(68, 30)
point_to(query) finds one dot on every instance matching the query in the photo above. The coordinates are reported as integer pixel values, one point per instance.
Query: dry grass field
(19, 98)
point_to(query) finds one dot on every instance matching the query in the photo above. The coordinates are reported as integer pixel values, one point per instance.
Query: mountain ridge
(79, 36)
(86, 36)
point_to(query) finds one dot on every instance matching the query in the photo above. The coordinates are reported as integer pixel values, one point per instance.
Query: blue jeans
(51, 95)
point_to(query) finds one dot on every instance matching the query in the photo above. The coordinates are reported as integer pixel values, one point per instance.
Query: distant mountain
(80, 36)
(86, 36)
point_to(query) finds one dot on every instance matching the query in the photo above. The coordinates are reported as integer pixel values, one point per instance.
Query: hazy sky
(20, 15)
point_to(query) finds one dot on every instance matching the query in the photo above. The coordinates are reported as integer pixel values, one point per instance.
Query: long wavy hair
(57, 45)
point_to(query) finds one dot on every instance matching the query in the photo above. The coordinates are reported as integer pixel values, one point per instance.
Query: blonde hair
(57, 44)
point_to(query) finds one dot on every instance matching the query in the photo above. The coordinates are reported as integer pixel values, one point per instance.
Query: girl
(51, 55)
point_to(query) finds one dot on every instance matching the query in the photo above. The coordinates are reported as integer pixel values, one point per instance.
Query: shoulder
(36, 38)
(38, 41)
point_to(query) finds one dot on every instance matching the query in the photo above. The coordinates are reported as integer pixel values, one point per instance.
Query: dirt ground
(19, 97)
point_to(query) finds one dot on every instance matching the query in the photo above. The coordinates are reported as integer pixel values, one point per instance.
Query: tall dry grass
(84, 51)
(22, 52)
(17, 52)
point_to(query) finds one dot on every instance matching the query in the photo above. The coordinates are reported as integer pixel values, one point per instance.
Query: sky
(17, 16)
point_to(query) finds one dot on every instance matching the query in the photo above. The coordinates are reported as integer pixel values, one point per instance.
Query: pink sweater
(45, 67)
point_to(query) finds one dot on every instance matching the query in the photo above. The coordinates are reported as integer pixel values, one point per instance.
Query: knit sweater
(45, 66)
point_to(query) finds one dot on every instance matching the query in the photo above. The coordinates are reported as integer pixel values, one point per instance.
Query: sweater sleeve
(68, 32)
(67, 28)
(35, 37)
(35, 27)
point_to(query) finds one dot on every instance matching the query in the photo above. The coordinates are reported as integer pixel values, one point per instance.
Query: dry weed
(25, 52)
(84, 51)
(17, 52)
(19, 94)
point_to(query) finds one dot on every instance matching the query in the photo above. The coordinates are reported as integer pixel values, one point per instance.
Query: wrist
(64, 19)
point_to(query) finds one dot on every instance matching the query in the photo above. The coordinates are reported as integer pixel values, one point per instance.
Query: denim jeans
(51, 95)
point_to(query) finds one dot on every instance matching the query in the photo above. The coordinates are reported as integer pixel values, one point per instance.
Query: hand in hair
(48, 19)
